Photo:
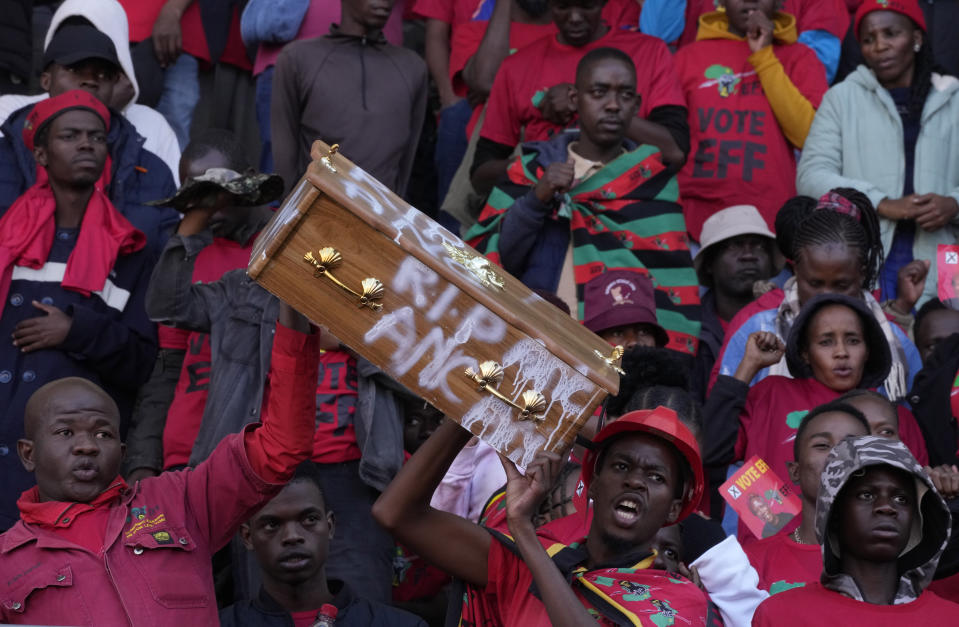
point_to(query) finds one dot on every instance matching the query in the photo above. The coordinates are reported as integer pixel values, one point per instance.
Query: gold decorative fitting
(480, 267)
(328, 259)
(490, 375)
(328, 159)
(613, 360)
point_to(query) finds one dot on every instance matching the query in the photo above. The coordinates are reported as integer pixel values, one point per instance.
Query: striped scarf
(626, 216)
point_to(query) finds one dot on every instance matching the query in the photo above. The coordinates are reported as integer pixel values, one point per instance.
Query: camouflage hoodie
(917, 563)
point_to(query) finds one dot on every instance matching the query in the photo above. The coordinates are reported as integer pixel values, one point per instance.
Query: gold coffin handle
(490, 375)
(614, 359)
(327, 259)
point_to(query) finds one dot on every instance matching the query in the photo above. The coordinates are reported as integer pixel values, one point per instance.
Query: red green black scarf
(626, 216)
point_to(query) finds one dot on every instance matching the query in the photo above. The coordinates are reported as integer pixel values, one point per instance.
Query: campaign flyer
(761, 499)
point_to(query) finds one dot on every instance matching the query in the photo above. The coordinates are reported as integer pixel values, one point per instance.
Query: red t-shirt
(947, 588)
(141, 14)
(774, 408)
(738, 153)
(622, 13)
(545, 63)
(815, 605)
(654, 595)
(186, 411)
(828, 15)
(467, 38)
(783, 563)
(335, 438)
(194, 39)
(450, 11)
(911, 435)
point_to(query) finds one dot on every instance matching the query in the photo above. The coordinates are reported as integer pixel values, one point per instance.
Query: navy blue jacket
(138, 176)
(111, 342)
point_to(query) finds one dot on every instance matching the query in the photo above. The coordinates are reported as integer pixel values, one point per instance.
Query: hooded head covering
(108, 17)
(931, 525)
(880, 357)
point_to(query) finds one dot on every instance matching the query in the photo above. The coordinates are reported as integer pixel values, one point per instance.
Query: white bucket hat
(728, 223)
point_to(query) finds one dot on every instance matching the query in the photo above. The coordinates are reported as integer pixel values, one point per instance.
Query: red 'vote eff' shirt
(739, 154)
(335, 437)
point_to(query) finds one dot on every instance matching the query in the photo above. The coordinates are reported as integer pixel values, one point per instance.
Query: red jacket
(160, 535)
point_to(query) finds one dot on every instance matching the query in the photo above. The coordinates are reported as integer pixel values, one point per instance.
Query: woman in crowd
(891, 129)
(835, 249)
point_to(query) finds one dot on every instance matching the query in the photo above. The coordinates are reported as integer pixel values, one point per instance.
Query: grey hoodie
(930, 533)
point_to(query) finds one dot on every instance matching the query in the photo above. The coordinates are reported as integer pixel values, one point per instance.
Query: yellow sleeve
(793, 111)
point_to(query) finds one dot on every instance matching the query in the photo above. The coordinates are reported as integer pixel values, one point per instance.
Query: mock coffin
(416, 301)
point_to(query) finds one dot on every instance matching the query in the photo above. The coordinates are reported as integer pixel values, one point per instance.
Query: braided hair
(824, 226)
(924, 65)
(788, 218)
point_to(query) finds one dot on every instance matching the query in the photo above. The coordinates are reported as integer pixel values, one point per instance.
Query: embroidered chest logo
(725, 80)
(143, 523)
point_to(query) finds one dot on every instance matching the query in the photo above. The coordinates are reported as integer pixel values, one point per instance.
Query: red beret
(45, 110)
(909, 8)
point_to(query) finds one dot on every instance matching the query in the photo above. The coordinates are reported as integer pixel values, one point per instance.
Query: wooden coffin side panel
(428, 333)
(425, 239)
(280, 226)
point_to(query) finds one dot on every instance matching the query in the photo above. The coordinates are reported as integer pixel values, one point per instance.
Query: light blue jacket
(856, 140)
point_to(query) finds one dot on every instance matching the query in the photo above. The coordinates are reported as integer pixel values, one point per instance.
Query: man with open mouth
(643, 473)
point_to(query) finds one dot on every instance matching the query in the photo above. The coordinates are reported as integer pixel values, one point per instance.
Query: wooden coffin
(439, 318)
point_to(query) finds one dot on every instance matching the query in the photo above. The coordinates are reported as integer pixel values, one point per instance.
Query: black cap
(74, 43)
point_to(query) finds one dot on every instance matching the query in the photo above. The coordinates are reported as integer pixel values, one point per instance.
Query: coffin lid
(414, 232)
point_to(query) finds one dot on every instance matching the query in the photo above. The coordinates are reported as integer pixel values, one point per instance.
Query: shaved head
(42, 402)
(72, 443)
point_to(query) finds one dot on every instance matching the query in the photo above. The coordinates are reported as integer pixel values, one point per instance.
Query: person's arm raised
(523, 496)
(445, 540)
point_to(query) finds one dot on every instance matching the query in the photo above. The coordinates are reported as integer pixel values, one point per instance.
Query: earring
(916, 47)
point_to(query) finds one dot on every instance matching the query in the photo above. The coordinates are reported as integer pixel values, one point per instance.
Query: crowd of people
(756, 199)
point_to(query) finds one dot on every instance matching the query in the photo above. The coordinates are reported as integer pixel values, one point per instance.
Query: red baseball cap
(44, 111)
(661, 422)
(909, 8)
